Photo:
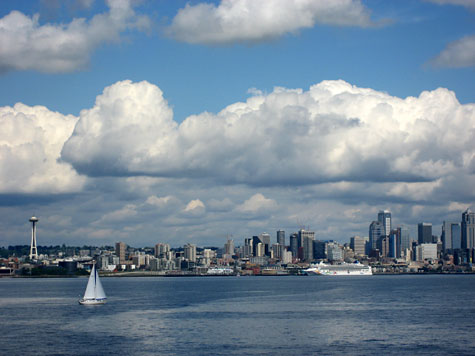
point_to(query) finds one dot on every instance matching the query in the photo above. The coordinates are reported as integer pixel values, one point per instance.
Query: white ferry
(220, 271)
(342, 269)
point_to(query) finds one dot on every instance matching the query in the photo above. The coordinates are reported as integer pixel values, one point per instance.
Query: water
(378, 315)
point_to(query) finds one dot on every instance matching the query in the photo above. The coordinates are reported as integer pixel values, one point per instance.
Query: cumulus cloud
(56, 48)
(254, 21)
(31, 139)
(333, 132)
(457, 54)
(257, 204)
(194, 208)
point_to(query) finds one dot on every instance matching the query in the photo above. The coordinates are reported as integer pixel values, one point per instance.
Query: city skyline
(120, 122)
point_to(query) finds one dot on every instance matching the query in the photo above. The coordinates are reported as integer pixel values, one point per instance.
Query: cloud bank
(58, 48)
(269, 162)
(333, 132)
(255, 21)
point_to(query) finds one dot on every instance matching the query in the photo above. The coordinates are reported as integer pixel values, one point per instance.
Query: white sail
(94, 290)
(90, 292)
(100, 294)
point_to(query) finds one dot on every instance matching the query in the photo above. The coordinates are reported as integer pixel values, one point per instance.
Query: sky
(193, 121)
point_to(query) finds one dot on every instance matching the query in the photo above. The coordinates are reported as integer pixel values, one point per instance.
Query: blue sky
(206, 184)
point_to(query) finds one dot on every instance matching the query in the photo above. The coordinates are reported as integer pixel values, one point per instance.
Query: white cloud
(457, 54)
(194, 208)
(257, 204)
(56, 48)
(334, 132)
(255, 21)
(31, 139)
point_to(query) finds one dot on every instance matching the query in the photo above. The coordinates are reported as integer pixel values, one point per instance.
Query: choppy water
(378, 315)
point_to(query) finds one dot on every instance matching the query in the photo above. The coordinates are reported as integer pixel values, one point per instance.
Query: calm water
(379, 315)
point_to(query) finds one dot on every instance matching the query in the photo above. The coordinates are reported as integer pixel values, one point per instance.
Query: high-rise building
(294, 244)
(394, 244)
(306, 239)
(376, 231)
(259, 250)
(424, 233)
(384, 217)
(120, 249)
(190, 252)
(229, 247)
(255, 241)
(265, 239)
(468, 229)
(405, 240)
(319, 249)
(358, 245)
(450, 236)
(281, 237)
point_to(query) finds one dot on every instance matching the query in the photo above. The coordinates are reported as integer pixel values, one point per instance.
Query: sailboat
(94, 294)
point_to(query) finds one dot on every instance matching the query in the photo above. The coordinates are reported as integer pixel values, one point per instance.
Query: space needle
(33, 249)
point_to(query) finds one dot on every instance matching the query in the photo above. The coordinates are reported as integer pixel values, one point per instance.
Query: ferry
(342, 269)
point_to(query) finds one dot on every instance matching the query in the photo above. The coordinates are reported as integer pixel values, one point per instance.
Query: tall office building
(468, 229)
(394, 244)
(384, 217)
(404, 240)
(265, 239)
(424, 233)
(120, 249)
(376, 231)
(255, 241)
(306, 239)
(294, 244)
(450, 236)
(229, 247)
(319, 249)
(281, 237)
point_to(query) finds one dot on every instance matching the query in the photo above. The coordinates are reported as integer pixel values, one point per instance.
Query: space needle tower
(33, 249)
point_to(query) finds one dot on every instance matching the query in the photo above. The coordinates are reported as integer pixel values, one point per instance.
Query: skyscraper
(384, 217)
(468, 229)
(376, 231)
(265, 239)
(306, 239)
(281, 237)
(424, 233)
(229, 247)
(294, 244)
(450, 235)
(405, 240)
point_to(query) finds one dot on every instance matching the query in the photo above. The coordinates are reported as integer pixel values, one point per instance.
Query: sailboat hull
(92, 301)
